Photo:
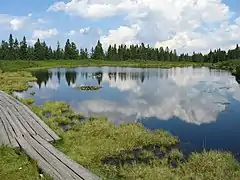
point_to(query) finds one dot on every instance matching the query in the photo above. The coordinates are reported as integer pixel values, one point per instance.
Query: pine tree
(16, 49)
(74, 51)
(10, 54)
(58, 52)
(98, 52)
(23, 49)
(67, 50)
(4, 50)
(39, 50)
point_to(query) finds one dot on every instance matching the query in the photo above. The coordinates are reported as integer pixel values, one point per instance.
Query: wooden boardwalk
(21, 128)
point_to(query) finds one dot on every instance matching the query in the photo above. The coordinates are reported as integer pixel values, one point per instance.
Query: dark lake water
(199, 105)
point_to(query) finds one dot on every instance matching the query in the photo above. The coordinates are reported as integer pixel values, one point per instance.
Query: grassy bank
(36, 65)
(129, 151)
(231, 66)
(15, 81)
(14, 164)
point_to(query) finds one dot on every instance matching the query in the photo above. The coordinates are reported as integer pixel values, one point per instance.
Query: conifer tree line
(13, 49)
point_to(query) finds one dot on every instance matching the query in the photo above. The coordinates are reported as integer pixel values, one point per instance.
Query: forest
(13, 49)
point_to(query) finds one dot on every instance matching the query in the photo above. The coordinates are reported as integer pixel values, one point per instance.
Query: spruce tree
(98, 52)
(23, 49)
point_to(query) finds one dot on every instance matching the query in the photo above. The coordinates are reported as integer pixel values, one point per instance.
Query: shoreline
(85, 141)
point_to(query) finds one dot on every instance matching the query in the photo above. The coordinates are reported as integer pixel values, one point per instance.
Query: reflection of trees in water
(112, 75)
(59, 77)
(42, 77)
(122, 76)
(71, 77)
(98, 76)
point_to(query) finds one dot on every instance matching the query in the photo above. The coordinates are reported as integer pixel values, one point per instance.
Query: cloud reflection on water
(193, 95)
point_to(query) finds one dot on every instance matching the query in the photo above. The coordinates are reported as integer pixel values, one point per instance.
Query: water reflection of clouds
(195, 96)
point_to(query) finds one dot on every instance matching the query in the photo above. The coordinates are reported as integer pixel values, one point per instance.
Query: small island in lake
(89, 88)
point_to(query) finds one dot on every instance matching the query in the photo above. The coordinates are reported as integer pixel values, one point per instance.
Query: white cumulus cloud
(190, 25)
(84, 30)
(13, 22)
(44, 33)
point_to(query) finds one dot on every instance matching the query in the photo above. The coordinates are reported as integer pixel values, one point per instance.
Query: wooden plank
(16, 131)
(9, 130)
(19, 127)
(41, 123)
(33, 124)
(29, 123)
(3, 101)
(35, 117)
(42, 163)
(63, 171)
(3, 134)
(52, 151)
(75, 167)
(24, 123)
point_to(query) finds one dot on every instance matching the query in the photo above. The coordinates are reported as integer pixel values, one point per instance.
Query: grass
(56, 114)
(129, 151)
(15, 81)
(232, 66)
(89, 88)
(39, 65)
(14, 164)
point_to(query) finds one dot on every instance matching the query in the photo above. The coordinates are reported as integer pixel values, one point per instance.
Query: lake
(199, 105)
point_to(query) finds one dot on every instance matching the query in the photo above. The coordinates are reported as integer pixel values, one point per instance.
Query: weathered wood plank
(78, 169)
(53, 151)
(45, 127)
(3, 134)
(29, 119)
(52, 160)
(18, 126)
(4, 102)
(29, 123)
(34, 116)
(16, 131)
(33, 123)
(42, 163)
(9, 130)
(21, 119)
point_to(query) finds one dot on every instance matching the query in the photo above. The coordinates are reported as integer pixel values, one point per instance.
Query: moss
(27, 101)
(15, 81)
(32, 93)
(210, 165)
(91, 142)
(89, 88)
(14, 164)
(94, 140)
(40, 65)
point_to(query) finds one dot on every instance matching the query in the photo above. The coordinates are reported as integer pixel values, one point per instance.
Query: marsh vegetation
(15, 164)
(129, 151)
(113, 151)
(88, 88)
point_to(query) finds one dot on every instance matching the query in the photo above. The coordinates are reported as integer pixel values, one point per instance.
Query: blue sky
(196, 26)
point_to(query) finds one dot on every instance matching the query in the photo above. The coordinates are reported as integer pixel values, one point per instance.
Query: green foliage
(27, 101)
(11, 50)
(98, 52)
(15, 81)
(57, 113)
(14, 164)
(89, 88)
(94, 140)
(210, 166)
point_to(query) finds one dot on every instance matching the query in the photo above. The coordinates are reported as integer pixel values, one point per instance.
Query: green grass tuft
(14, 164)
